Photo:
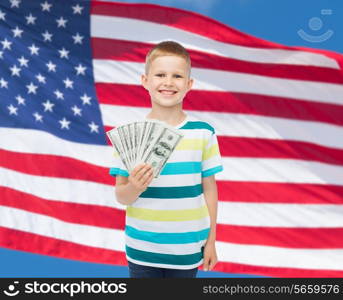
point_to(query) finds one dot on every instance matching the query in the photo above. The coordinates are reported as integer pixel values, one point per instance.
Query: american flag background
(70, 70)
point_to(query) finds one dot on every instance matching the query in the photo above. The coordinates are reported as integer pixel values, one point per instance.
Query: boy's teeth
(168, 92)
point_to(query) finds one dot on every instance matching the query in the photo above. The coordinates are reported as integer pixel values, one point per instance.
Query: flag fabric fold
(70, 72)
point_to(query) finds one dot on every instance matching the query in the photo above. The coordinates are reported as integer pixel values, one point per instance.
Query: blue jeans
(140, 271)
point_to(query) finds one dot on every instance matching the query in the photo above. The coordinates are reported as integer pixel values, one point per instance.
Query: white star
(86, 99)
(15, 3)
(6, 44)
(23, 61)
(61, 22)
(2, 15)
(59, 95)
(38, 117)
(12, 109)
(51, 66)
(77, 9)
(1, 54)
(76, 110)
(30, 19)
(40, 78)
(64, 123)
(17, 32)
(34, 49)
(48, 105)
(15, 71)
(20, 100)
(32, 88)
(68, 83)
(64, 53)
(3, 83)
(46, 6)
(80, 69)
(77, 38)
(94, 127)
(47, 36)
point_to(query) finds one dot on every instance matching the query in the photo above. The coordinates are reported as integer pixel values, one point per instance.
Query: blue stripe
(188, 167)
(118, 171)
(167, 238)
(173, 192)
(212, 171)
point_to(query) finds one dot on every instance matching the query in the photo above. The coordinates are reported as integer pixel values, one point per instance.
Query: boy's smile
(167, 80)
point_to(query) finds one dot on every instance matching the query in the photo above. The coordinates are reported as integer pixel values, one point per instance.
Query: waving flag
(70, 70)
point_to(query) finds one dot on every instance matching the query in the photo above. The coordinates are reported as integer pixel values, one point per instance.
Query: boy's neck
(172, 118)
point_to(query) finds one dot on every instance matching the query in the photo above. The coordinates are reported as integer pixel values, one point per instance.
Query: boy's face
(167, 80)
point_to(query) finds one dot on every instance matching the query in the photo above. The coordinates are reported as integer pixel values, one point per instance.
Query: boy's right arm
(129, 188)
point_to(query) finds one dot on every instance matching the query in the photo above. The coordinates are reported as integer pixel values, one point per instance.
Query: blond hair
(164, 49)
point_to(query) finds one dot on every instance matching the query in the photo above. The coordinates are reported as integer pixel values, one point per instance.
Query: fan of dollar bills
(149, 141)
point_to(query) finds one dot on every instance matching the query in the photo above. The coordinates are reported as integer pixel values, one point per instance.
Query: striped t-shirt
(168, 225)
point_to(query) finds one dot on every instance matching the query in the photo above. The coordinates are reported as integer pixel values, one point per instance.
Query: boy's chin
(168, 104)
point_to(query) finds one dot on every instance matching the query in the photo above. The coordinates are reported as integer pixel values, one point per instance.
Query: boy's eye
(159, 75)
(178, 76)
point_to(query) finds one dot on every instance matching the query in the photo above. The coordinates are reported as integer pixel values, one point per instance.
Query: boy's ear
(190, 83)
(144, 81)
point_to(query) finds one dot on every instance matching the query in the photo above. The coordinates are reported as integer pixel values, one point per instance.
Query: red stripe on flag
(35, 243)
(54, 166)
(269, 192)
(309, 238)
(241, 103)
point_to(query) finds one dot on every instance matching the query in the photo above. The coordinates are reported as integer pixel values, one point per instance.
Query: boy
(171, 220)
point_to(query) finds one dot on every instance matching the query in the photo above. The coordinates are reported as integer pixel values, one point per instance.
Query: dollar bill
(149, 141)
(162, 149)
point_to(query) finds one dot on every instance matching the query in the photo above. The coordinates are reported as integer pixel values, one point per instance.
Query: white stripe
(114, 240)
(266, 256)
(130, 30)
(171, 227)
(280, 170)
(123, 72)
(243, 125)
(60, 189)
(181, 267)
(170, 204)
(50, 227)
(280, 215)
(41, 142)
(176, 249)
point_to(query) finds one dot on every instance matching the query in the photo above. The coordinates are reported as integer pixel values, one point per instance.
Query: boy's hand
(141, 176)
(210, 256)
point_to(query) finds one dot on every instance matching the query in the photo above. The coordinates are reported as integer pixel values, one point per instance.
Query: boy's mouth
(167, 92)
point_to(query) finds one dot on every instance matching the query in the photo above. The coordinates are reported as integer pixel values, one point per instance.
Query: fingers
(206, 263)
(141, 176)
(142, 172)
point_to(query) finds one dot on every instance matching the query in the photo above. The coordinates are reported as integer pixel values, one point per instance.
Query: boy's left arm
(211, 197)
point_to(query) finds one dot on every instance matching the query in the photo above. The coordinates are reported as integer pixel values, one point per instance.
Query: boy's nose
(168, 80)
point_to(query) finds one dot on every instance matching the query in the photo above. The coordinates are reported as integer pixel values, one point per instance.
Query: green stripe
(173, 192)
(198, 125)
(167, 238)
(159, 258)
(188, 167)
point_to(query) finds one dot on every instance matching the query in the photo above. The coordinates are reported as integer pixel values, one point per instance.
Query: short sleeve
(118, 168)
(211, 158)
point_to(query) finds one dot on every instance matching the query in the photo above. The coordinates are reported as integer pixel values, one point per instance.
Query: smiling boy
(171, 220)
